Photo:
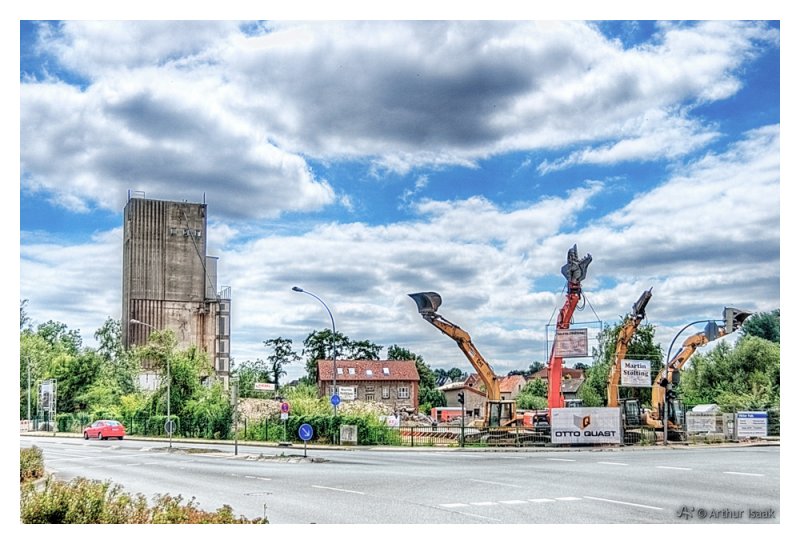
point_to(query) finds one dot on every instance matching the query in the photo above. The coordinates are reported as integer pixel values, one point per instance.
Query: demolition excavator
(575, 272)
(497, 412)
(626, 332)
(663, 396)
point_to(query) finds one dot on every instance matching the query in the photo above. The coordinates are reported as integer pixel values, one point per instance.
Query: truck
(497, 411)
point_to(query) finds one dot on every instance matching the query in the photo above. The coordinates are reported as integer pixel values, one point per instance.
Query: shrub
(89, 501)
(31, 464)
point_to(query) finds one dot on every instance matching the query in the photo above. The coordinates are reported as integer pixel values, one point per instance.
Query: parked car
(103, 429)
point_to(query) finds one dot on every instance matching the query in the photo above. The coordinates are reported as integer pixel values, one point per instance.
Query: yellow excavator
(497, 412)
(631, 408)
(663, 394)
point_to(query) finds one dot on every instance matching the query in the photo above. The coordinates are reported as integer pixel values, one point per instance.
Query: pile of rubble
(255, 409)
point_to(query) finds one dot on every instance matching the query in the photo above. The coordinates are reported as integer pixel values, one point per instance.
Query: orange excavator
(662, 392)
(497, 412)
(575, 272)
(626, 332)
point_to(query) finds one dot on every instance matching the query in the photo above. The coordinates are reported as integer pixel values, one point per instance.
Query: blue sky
(365, 160)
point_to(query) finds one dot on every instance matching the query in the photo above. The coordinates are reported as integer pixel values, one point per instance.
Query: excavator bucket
(575, 269)
(428, 302)
(638, 307)
(734, 317)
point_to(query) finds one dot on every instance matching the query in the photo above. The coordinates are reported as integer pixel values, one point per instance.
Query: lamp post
(333, 326)
(169, 381)
(711, 334)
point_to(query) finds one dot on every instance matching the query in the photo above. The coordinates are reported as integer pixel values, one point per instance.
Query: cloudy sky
(367, 160)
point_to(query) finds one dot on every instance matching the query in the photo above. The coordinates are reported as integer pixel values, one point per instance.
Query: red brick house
(389, 382)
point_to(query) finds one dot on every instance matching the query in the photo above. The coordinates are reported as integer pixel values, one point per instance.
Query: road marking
(612, 463)
(674, 468)
(259, 478)
(558, 459)
(514, 502)
(454, 505)
(568, 498)
(623, 502)
(541, 500)
(342, 490)
(487, 503)
(743, 473)
(495, 483)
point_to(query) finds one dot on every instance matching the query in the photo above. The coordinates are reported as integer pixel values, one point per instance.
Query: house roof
(509, 383)
(367, 370)
(572, 385)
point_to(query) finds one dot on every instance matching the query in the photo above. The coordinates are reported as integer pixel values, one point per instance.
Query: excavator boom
(624, 338)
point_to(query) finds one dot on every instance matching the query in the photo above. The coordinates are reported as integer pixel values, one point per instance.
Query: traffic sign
(285, 407)
(305, 432)
(335, 400)
(169, 426)
(260, 386)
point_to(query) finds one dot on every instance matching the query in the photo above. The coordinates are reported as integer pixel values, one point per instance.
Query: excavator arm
(427, 304)
(575, 272)
(624, 338)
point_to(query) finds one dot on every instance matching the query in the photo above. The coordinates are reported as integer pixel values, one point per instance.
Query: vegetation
(533, 396)
(88, 501)
(31, 464)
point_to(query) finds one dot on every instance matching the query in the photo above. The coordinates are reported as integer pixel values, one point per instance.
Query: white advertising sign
(258, 386)
(635, 373)
(572, 343)
(586, 426)
(347, 393)
(751, 424)
(701, 423)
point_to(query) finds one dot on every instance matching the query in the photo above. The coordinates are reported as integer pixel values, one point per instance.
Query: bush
(31, 464)
(89, 501)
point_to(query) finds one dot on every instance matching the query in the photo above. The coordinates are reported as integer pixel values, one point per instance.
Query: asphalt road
(698, 485)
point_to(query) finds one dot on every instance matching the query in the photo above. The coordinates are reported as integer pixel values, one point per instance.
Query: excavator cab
(501, 413)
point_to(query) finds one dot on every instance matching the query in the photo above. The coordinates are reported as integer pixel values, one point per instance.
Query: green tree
(363, 350)
(319, 345)
(533, 395)
(248, 373)
(282, 355)
(766, 325)
(24, 319)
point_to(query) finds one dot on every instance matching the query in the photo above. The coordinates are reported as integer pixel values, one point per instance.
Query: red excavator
(574, 272)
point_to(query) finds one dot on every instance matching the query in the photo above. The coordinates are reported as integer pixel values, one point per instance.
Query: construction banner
(635, 373)
(572, 343)
(586, 426)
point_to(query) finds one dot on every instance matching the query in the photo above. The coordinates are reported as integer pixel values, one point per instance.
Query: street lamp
(333, 326)
(711, 334)
(169, 381)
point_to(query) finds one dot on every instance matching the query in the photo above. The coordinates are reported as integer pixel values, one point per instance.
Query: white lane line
(259, 478)
(743, 473)
(541, 500)
(494, 483)
(612, 463)
(454, 505)
(673, 468)
(514, 502)
(568, 498)
(559, 459)
(487, 503)
(337, 489)
(623, 502)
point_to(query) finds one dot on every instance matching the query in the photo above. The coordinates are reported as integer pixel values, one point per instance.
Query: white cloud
(172, 107)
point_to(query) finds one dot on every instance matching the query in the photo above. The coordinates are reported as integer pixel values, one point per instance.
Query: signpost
(285, 418)
(259, 386)
(335, 400)
(305, 432)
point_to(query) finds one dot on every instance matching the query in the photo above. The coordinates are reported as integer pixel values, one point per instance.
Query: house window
(385, 392)
(385, 371)
(370, 397)
(370, 389)
(339, 371)
(351, 371)
(402, 392)
(369, 372)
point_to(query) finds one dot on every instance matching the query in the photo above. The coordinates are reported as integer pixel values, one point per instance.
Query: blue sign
(305, 432)
(335, 400)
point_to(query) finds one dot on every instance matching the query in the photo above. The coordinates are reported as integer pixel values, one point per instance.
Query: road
(698, 485)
